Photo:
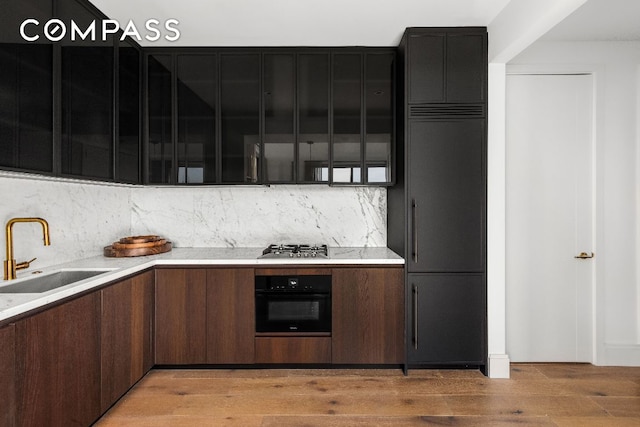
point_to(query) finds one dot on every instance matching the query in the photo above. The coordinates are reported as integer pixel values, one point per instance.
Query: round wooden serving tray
(137, 246)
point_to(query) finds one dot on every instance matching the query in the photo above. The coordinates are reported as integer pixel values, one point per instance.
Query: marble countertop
(116, 268)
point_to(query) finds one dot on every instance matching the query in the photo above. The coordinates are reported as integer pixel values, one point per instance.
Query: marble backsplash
(84, 216)
(256, 216)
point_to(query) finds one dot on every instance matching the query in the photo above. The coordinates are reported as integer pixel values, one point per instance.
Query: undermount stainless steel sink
(48, 282)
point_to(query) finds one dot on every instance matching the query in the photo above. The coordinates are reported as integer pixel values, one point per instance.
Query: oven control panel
(299, 284)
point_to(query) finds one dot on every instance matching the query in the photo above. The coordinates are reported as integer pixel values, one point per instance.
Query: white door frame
(597, 293)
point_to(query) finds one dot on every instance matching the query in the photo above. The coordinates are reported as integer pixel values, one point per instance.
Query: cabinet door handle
(414, 226)
(414, 338)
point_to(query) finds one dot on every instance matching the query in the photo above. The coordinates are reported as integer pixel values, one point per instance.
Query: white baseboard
(620, 355)
(499, 366)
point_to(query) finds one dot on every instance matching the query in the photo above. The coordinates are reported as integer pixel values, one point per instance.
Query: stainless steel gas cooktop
(295, 251)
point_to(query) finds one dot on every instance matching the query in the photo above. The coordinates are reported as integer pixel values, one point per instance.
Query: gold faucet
(10, 265)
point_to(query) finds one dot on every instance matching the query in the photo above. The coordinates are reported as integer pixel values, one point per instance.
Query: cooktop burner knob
(314, 254)
(290, 254)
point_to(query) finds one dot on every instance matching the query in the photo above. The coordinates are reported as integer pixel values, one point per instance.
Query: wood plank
(586, 371)
(532, 405)
(620, 406)
(237, 405)
(595, 422)
(400, 421)
(181, 421)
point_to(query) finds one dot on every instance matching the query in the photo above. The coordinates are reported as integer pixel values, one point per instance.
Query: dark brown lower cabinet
(293, 349)
(204, 316)
(58, 365)
(368, 315)
(181, 315)
(231, 321)
(126, 341)
(7, 376)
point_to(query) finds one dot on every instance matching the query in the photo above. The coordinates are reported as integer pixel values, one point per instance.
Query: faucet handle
(25, 264)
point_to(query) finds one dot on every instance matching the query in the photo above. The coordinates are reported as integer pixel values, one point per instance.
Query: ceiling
(350, 22)
(298, 22)
(600, 20)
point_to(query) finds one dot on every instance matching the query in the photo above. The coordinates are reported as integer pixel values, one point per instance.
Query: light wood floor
(536, 395)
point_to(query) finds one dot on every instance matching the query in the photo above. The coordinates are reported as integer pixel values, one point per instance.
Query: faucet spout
(10, 265)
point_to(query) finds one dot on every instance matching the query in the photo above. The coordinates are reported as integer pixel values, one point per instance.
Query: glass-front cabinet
(363, 125)
(313, 117)
(270, 116)
(279, 132)
(347, 118)
(26, 90)
(379, 117)
(128, 138)
(196, 117)
(159, 120)
(87, 100)
(69, 95)
(240, 117)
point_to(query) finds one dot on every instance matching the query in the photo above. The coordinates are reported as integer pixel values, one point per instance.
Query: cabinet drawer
(293, 350)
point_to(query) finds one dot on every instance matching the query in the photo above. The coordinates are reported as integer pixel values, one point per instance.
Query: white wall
(84, 217)
(615, 67)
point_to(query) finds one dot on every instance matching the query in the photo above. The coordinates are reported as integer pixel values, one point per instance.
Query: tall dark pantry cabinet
(437, 210)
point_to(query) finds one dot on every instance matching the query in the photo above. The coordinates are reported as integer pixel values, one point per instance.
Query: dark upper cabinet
(347, 118)
(447, 196)
(446, 319)
(240, 117)
(363, 117)
(270, 116)
(196, 90)
(26, 90)
(313, 117)
(72, 107)
(466, 67)
(128, 114)
(379, 111)
(159, 119)
(87, 104)
(446, 65)
(278, 95)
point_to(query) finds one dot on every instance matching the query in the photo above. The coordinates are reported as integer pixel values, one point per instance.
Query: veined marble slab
(257, 216)
(85, 216)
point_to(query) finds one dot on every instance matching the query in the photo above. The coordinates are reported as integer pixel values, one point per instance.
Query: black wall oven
(295, 304)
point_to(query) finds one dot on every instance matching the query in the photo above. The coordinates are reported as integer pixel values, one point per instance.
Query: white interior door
(549, 218)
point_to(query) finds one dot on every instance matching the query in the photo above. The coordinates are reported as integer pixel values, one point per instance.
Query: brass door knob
(584, 255)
